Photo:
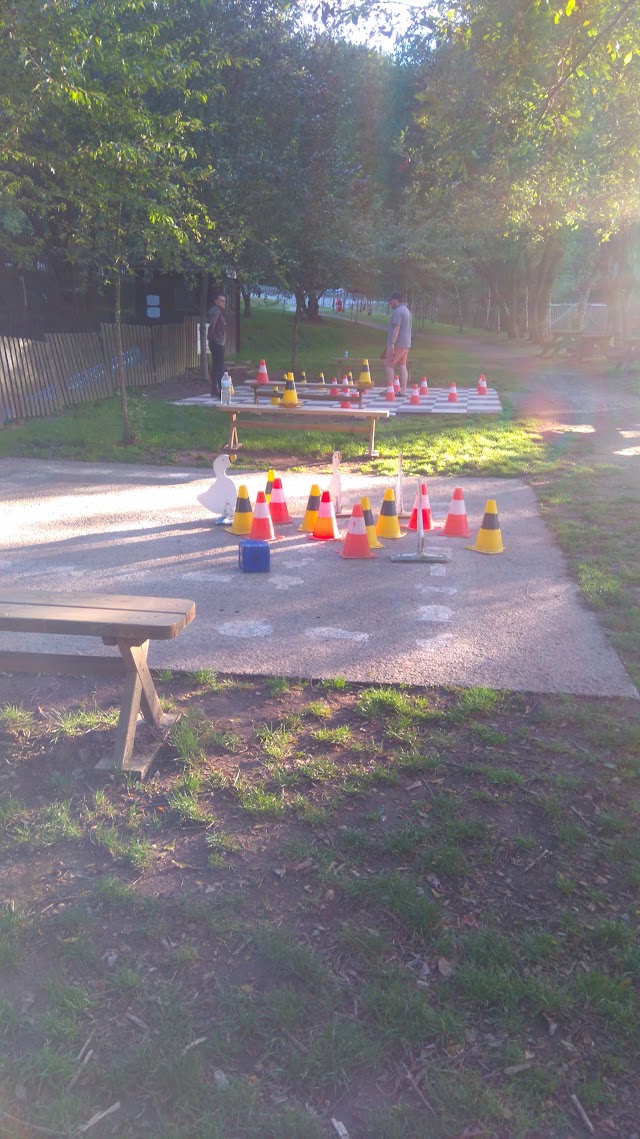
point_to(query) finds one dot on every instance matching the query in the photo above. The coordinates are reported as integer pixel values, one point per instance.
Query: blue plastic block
(254, 556)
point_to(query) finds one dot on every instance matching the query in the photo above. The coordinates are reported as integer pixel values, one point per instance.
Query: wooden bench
(352, 421)
(582, 345)
(128, 622)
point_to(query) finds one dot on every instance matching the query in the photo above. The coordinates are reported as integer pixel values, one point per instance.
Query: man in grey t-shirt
(398, 341)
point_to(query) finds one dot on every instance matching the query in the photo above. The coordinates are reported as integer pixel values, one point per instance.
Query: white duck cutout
(399, 503)
(335, 485)
(221, 496)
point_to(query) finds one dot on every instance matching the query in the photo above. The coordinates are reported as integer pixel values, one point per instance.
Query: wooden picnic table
(583, 345)
(353, 420)
(128, 622)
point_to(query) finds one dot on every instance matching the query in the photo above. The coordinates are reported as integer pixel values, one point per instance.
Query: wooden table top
(94, 614)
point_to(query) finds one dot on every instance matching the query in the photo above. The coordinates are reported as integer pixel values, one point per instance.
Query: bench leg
(139, 694)
(372, 453)
(233, 433)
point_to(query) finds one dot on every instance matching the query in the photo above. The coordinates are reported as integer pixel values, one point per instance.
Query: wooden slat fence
(38, 377)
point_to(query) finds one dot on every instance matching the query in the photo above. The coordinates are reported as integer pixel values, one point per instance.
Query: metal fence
(574, 318)
(39, 377)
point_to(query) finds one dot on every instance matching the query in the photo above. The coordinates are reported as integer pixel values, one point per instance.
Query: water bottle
(346, 355)
(225, 388)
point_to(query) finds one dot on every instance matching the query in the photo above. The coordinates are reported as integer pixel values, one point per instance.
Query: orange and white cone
(345, 394)
(262, 525)
(334, 386)
(396, 384)
(367, 514)
(456, 525)
(427, 520)
(482, 386)
(415, 396)
(263, 375)
(387, 525)
(325, 528)
(356, 543)
(267, 490)
(390, 394)
(453, 394)
(278, 505)
(311, 513)
(242, 515)
(424, 387)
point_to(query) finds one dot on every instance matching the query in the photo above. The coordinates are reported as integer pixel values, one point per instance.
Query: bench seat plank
(128, 618)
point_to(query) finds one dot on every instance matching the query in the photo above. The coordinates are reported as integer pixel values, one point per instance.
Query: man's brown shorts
(396, 357)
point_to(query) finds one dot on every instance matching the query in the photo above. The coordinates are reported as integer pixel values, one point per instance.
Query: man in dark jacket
(216, 338)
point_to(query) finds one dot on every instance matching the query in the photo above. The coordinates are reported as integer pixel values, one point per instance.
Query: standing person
(398, 341)
(216, 338)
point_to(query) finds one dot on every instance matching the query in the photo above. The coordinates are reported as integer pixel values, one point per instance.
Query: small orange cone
(396, 384)
(415, 396)
(390, 393)
(334, 386)
(489, 540)
(267, 490)
(325, 528)
(263, 375)
(427, 520)
(277, 504)
(242, 515)
(356, 543)
(387, 525)
(453, 394)
(311, 513)
(262, 525)
(345, 395)
(367, 514)
(482, 386)
(424, 387)
(456, 525)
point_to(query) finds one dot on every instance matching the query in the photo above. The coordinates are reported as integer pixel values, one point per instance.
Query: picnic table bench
(128, 622)
(625, 353)
(580, 344)
(353, 420)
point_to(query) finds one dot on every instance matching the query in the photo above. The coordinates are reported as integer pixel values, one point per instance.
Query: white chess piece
(220, 497)
(335, 485)
(399, 503)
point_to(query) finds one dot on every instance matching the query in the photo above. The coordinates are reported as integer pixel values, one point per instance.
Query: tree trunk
(541, 286)
(301, 302)
(294, 341)
(202, 327)
(313, 305)
(246, 299)
(127, 433)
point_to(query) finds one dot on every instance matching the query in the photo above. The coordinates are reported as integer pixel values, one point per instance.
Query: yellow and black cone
(489, 540)
(367, 514)
(311, 513)
(321, 378)
(364, 379)
(387, 525)
(302, 378)
(289, 395)
(271, 474)
(242, 515)
(275, 398)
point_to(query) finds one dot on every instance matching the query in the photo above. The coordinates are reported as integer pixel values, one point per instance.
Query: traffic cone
(325, 528)
(302, 378)
(453, 394)
(334, 386)
(427, 520)
(267, 490)
(415, 396)
(482, 389)
(289, 395)
(387, 525)
(263, 375)
(489, 540)
(456, 525)
(311, 513)
(349, 379)
(275, 398)
(277, 504)
(345, 396)
(367, 514)
(321, 378)
(356, 544)
(424, 387)
(390, 394)
(242, 515)
(396, 384)
(262, 525)
(364, 379)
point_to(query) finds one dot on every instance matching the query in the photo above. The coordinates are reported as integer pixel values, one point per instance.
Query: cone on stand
(489, 540)
(453, 394)
(364, 379)
(424, 387)
(325, 528)
(415, 396)
(277, 505)
(263, 375)
(390, 394)
(290, 395)
(262, 525)
(482, 386)
(427, 520)
(367, 514)
(456, 525)
(267, 490)
(387, 525)
(356, 543)
(311, 513)
(242, 515)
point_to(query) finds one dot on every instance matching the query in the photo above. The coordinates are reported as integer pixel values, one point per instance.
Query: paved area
(510, 621)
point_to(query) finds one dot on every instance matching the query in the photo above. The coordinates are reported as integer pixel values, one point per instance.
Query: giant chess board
(435, 403)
